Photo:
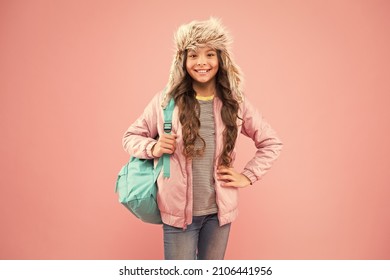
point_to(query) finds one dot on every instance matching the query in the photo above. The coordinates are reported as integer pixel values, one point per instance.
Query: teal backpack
(136, 184)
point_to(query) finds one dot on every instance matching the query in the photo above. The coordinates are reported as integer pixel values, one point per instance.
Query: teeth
(203, 71)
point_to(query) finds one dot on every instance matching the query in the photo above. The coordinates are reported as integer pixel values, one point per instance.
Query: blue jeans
(204, 239)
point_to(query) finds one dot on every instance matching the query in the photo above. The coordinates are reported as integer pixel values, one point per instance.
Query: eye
(211, 54)
(191, 55)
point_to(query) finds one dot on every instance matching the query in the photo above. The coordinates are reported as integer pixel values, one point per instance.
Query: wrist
(249, 182)
(149, 149)
(152, 150)
(251, 177)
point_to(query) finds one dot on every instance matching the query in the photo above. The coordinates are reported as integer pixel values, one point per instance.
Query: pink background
(75, 74)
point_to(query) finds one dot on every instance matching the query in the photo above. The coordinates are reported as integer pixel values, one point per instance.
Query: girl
(199, 201)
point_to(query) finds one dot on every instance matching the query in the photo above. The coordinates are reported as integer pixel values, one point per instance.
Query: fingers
(229, 184)
(231, 178)
(225, 170)
(168, 138)
(226, 178)
(166, 144)
(226, 175)
(167, 148)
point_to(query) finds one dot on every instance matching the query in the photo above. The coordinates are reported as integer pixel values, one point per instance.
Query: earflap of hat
(176, 74)
(234, 76)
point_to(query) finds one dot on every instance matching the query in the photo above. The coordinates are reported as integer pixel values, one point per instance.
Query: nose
(201, 60)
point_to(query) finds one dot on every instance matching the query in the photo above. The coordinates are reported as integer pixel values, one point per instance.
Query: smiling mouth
(202, 71)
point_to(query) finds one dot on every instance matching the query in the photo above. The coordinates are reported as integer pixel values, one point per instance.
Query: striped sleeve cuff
(250, 176)
(149, 148)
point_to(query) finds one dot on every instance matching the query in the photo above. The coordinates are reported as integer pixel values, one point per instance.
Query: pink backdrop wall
(75, 74)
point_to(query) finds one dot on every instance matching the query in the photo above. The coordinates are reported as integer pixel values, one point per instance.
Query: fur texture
(213, 34)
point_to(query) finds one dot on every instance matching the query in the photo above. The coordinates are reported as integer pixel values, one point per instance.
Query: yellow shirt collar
(205, 98)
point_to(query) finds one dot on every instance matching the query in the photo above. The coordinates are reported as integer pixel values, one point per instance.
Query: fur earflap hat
(212, 34)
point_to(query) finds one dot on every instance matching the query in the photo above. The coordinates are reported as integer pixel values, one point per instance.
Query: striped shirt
(202, 166)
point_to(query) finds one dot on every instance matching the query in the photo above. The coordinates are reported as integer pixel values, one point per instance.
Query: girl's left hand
(231, 178)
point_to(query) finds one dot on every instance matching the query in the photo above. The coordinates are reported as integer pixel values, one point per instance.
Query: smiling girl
(198, 202)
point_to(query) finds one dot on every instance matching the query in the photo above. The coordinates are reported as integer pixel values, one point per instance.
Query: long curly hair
(189, 110)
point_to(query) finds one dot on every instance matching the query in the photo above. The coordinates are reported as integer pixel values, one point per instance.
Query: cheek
(188, 69)
(216, 65)
(189, 65)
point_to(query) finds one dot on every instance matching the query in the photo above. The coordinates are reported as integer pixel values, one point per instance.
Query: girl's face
(202, 65)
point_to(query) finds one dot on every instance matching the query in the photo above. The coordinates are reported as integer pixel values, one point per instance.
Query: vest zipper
(216, 131)
(186, 205)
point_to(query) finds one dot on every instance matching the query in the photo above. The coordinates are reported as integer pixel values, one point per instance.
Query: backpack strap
(158, 168)
(164, 161)
(168, 112)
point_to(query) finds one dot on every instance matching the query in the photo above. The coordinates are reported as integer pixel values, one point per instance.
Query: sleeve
(140, 137)
(267, 143)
